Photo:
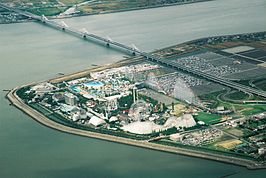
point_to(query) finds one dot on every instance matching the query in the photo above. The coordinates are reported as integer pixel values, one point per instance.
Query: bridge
(133, 50)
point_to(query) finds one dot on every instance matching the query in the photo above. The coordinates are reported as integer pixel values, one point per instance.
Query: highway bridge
(108, 42)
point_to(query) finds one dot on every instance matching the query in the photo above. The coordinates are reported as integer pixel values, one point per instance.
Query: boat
(6, 90)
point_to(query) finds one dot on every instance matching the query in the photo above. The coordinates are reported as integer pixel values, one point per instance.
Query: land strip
(16, 101)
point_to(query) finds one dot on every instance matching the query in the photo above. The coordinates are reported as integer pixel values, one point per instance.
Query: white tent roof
(113, 119)
(138, 127)
(96, 121)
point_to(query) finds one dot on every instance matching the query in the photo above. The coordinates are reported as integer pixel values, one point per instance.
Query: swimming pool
(75, 88)
(94, 84)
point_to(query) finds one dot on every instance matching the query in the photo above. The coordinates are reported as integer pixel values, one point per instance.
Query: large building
(70, 99)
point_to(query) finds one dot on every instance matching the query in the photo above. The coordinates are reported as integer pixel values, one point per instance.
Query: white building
(262, 150)
(112, 103)
(76, 117)
(70, 99)
(220, 108)
(43, 88)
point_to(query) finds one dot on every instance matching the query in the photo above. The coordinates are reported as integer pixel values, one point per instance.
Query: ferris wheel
(139, 111)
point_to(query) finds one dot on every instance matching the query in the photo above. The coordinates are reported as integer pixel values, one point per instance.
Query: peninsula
(204, 98)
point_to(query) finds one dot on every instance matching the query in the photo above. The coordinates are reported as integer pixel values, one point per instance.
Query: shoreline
(42, 119)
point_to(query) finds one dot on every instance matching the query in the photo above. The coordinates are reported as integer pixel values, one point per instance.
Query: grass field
(238, 96)
(208, 118)
(51, 11)
(253, 109)
(236, 132)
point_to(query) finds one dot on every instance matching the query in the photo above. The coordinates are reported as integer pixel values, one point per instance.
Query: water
(75, 89)
(156, 28)
(94, 84)
(32, 52)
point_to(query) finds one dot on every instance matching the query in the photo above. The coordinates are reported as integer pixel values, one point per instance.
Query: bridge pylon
(44, 19)
(108, 39)
(135, 49)
(64, 25)
(85, 32)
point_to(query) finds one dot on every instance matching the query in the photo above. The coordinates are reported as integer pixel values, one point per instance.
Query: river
(32, 52)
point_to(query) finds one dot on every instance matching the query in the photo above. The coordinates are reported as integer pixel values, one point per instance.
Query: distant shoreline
(132, 9)
(114, 11)
(39, 117)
